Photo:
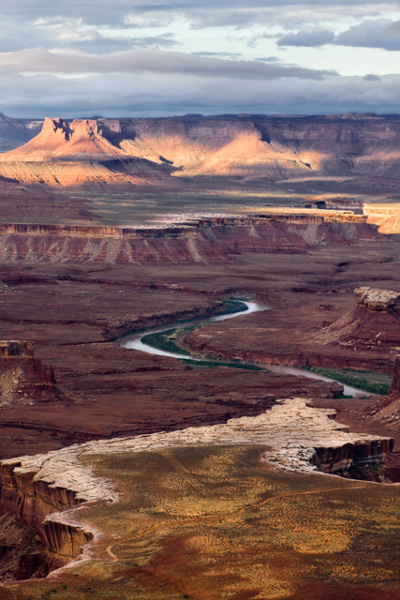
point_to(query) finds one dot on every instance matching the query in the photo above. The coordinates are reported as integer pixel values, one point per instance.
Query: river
(135, 342)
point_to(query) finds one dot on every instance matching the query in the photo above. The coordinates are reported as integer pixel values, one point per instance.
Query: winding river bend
(137, 342)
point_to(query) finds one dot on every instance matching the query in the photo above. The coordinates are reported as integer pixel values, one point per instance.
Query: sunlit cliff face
(184, 147)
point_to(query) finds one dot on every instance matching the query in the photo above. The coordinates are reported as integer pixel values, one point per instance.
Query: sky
(132, 58)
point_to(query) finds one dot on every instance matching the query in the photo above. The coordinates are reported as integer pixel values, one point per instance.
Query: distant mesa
(82, 140)
(248, 147)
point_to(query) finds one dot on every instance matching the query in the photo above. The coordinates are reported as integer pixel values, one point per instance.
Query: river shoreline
(138, 342)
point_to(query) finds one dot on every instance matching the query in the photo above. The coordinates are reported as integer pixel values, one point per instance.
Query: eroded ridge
(299, 437)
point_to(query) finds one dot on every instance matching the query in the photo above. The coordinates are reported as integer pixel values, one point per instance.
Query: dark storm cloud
(37, 60)
(307, 37)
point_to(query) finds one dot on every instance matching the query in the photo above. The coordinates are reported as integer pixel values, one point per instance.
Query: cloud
(85, 57)
(208, 14)
(101, 44)
(269, 59)
(152, 94)
(307, 37)
(40, 60)
(208, 53)
(378, 33)
(371, 77)
(10, 44)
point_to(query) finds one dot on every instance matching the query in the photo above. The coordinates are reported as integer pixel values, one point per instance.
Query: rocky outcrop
(76, 154)
(16, 348)
(82, 140)
(373, 323)
(197, 241)
(378, 300)
(23, 378)
(353, 456)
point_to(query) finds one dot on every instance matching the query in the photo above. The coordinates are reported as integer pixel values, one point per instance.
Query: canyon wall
(122, 151)
(202, 241)
(385, 215)
(352, 456)
(39, 504)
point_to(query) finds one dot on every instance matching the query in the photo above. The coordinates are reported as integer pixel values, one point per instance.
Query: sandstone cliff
(198, 241)
(386, 215)
(122, 151)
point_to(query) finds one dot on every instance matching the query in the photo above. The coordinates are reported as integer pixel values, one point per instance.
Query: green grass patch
(167, 340)
(364, 380)
(233, 305)
(214, 364)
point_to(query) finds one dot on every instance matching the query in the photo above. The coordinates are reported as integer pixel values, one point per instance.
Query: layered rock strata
(199, 241)
(373, 323)
(250, 146)
(386, 216)
(23, 378)
(298, 436)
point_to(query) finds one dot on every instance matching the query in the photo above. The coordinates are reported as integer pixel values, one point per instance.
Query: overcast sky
(138, 58)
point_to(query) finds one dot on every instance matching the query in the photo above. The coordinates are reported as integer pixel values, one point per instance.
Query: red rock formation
(14, 348)
(76, 154)
(32, 502)
(386, 215)
(23, 378)
(374, 322)
(244, 146)
(358, 455)
(202, 241)
(81, 139)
